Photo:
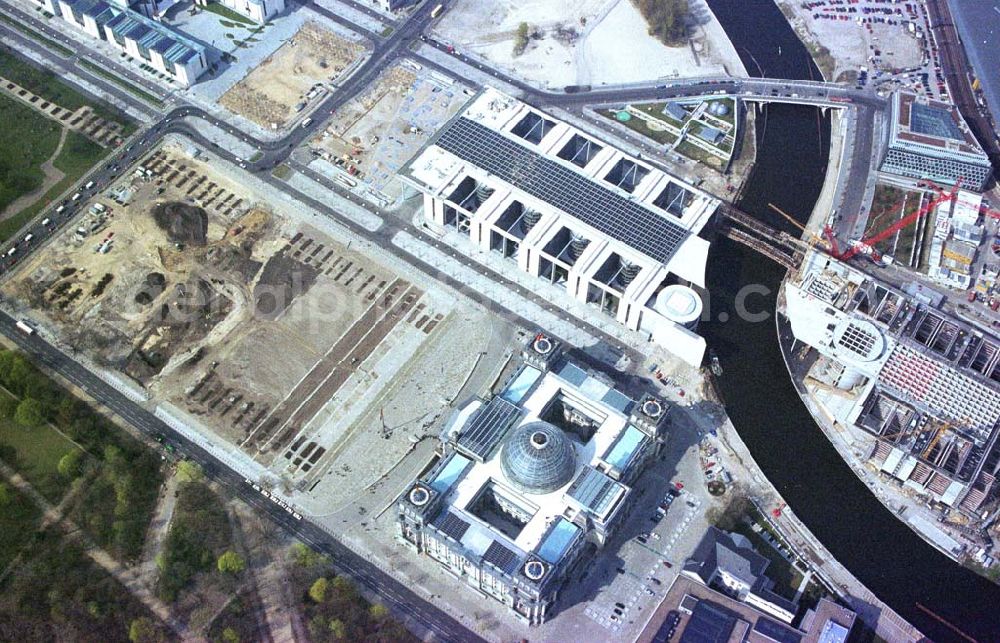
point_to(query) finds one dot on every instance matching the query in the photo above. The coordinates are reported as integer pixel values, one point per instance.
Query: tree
(189, 471)
(29, 413)
(667, 19)
(8, 406)
(143, 630)
(305, 556)
(378, 612)
(6, 497)
(317, 591)
(344, 588)
(231, 563)
(229, 635)
(521, 38)
(337, 629)
(731, 516)
(69, 464)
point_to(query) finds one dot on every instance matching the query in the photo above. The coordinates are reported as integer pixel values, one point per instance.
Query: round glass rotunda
(538, 458)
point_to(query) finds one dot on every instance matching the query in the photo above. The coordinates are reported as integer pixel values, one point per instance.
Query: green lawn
(78, 155)
(228, 14)
(27, 139)
(47, 85)
(18, 521)
(124, 84)
(52, 45)
(694, 152)
(635, 124)
(37, 455)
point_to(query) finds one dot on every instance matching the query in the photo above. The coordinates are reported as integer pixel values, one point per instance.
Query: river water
(794, 454)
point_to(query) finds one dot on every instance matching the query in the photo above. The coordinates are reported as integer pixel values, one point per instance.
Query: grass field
(692, 151)
(228, 14)
(47, 85)
(38, 452)
(18, 521)
(78, 155)
(27, 139)
(124, 84)
(51, 45)
(638, 125)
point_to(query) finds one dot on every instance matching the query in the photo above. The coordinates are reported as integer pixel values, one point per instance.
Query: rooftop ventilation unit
(629, 271)
(483, 192)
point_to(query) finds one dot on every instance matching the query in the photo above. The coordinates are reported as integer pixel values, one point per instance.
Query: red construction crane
(867, 246)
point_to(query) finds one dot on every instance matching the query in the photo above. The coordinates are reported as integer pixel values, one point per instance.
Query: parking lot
(883, 43)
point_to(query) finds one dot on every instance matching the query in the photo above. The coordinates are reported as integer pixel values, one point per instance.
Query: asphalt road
(397, 596)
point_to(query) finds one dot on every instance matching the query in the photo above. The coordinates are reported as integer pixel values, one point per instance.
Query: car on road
(89, 185)
(76, 197)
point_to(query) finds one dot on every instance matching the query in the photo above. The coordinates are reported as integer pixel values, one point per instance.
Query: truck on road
(24, 327)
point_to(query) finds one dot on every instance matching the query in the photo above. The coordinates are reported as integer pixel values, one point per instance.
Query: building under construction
(612, 230)
(927, 386)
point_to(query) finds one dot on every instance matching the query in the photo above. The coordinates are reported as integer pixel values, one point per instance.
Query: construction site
(261, 332)
(367, 140)
(907, 393)
(293, 77)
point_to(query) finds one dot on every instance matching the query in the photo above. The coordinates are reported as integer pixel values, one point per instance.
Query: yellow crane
(813, 238)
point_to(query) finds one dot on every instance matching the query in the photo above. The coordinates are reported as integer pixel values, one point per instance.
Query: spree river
(794, 454)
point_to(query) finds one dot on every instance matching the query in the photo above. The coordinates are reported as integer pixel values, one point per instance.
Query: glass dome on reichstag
(538, 458)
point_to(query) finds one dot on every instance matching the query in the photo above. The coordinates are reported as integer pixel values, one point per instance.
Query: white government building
(613, 230)
(134, 27)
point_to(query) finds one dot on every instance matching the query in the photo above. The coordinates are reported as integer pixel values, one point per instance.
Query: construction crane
(813, 237)
(867, 246)
(933, 443)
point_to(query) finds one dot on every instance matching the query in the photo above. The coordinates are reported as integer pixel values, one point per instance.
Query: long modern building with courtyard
(527, 478)
(609, 229)
(929, 140)
(134, 28)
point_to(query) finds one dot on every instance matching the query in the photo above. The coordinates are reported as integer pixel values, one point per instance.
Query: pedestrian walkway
(128, 577)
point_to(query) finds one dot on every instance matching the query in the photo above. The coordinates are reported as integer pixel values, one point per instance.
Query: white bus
(437, 11)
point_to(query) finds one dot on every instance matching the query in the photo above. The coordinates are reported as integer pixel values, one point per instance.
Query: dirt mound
(151, 288)
(190, 312)
(183, 223)
(284, 278)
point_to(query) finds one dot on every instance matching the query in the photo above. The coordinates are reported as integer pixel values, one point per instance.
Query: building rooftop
(538, 458)
(529, 478)
(932, 123)
(155, 36)
(514, 147)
